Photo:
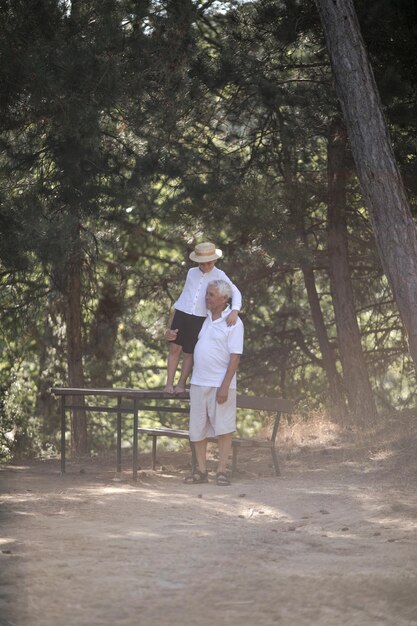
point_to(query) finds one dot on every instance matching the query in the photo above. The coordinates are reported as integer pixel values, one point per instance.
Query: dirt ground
(332, 541)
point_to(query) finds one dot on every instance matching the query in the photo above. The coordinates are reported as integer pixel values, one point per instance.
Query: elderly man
(213, 383)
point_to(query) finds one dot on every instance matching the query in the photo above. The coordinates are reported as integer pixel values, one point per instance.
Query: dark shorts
(188, 328)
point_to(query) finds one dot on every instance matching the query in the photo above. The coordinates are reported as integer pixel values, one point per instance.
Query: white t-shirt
(193, 297)
(216, 342)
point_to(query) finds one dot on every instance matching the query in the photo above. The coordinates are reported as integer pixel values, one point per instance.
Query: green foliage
(20, 429)
(132, 130)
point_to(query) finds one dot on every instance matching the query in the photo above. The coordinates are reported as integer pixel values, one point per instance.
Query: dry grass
(318, 440)
(317, 429)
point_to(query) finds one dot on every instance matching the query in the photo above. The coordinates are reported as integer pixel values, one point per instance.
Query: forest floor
(331, 542)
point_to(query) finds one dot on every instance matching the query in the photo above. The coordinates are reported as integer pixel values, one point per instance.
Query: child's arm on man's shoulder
(231, 319)
(236, 301)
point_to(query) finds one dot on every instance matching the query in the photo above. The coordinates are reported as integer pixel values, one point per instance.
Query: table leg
(135, 440)
(119, 436)
(63, 429)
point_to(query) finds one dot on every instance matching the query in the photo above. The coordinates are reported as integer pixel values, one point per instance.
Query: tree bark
(336, 393)
(46, 406)
(381, 182)
(74, 348)
(104, 326)
(355, 375)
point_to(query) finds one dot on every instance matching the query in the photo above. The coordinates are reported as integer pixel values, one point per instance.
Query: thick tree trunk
(380, 179)
(105, 326)
(74, 350)
(358, 389)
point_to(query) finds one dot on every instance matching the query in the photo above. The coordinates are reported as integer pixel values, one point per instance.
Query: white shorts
(207, 417)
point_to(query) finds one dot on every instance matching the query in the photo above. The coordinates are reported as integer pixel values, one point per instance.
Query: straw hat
(204, 252)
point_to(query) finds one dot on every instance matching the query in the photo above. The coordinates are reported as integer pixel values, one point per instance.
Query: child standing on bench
(191, 311)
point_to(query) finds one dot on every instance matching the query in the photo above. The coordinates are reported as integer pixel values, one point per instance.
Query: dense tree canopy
(129, 131)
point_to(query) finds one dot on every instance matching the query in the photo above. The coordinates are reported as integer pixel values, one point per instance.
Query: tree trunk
(379, 176)
(46, 407)
(74, 350)
(104, 326)
(358, 389)
(336, 394)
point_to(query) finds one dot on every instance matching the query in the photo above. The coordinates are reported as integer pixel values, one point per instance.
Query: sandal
(222, 480)
(196, 478)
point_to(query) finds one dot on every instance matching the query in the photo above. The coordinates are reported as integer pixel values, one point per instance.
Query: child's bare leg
(187, 365)
(173, 359)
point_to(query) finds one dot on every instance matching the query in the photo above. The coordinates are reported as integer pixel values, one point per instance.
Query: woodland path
(333, 541)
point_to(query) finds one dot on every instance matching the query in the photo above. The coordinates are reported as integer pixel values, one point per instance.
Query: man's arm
(223, 390)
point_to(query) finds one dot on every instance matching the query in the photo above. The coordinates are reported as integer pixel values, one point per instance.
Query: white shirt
(193, 297)
(216, 342)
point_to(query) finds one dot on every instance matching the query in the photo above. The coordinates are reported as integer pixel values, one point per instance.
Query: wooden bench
(135, 400)
(277, 406)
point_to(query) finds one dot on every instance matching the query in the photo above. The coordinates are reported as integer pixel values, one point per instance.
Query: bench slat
(164, 432)
(264, 404)
(183, 434)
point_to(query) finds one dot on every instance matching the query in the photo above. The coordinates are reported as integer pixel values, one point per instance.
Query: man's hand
(171, 335)
(222, 393)
(231, 319)
(223, 390)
